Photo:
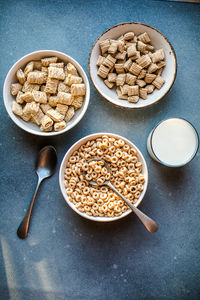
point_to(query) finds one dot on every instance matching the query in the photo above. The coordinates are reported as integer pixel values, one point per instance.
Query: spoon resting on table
(150, 224)
(45, 167)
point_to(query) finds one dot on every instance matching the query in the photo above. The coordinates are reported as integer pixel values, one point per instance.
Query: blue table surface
(66, 256)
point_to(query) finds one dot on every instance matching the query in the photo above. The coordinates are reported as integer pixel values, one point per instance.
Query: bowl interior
(157, 40)
(74, 148)
(11, 78)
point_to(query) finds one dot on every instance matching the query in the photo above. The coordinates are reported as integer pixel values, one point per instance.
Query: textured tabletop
(66, 256)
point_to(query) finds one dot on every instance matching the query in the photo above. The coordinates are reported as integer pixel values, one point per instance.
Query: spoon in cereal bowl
(150, 224)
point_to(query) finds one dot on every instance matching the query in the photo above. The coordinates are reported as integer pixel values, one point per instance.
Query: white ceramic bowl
(158, 40)
(11, 78)
(74, 148)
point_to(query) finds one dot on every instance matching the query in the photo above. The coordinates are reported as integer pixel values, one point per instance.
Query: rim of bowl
(19, 123)
(136, 23)
(61, 177)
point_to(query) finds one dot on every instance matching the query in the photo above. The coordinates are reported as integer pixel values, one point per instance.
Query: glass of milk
(173, 142)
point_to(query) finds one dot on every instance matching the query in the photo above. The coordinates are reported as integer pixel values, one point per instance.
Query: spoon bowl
(46, 161)
(45, 167)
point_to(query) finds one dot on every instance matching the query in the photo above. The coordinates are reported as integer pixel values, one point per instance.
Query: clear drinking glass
(173, 142)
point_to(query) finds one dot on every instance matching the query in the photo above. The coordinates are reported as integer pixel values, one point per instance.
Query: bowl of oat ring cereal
(46, 92)
(132, 65)
(98, 158)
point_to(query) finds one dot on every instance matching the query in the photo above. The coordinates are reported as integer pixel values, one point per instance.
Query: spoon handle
(150, 224)
(22, 231)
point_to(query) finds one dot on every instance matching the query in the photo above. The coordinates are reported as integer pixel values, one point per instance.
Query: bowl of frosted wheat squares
(46, 92)
(132, 65)
(128, 173)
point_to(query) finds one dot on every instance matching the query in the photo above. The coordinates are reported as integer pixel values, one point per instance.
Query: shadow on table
(128, 231)
(172, 176)
(174, 179)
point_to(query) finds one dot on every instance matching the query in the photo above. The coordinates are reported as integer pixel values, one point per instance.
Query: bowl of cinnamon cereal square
(132, 65)
(46, 92)
(84, 163)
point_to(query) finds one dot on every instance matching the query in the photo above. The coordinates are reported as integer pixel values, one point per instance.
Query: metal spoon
(150, 224)
(45, 167)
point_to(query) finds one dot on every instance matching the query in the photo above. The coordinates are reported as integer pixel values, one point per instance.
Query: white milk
(173, 142)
